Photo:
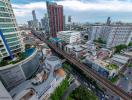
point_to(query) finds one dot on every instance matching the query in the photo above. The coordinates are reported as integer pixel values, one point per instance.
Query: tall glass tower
(10, 41)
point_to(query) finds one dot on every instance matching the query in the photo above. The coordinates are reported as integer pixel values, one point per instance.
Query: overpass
(88, 71)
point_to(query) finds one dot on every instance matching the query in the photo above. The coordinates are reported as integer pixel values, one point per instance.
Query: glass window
(7, 25)
(10, 35)
(2, 3)
(12, 39)
(15, 47)
(13, 43)
(5, 20)
(8, 30)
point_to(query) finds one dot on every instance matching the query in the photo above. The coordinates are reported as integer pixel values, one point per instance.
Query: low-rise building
(69, 36)
(76, 50)
(104, 68)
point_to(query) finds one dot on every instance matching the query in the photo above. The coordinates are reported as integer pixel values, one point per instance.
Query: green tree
(59, 91)
(81, 93)
(120, 47)
(130, 44)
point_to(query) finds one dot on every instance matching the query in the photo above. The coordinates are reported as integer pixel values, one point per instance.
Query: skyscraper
(44, 23)
(34, 15)
(10, 42)
(108, 21)
(55, 15)
(35, 20)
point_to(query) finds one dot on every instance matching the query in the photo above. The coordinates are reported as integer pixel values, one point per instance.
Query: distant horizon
(83, 11)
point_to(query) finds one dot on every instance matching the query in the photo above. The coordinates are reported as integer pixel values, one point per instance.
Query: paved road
(91, 73)
(124, 83)
(72, 87)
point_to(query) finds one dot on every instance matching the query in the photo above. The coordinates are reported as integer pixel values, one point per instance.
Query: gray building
(14, 74)
(44, 23)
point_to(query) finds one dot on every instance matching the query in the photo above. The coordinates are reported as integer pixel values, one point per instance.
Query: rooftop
(120, 58)
(39, 88)
(68, 32)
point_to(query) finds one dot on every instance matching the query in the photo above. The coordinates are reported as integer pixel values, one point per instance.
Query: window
(2, 3)
(6, 25)
(13, 43)
(12, 39)
(5, 20)
(8, 30)
(10, 35)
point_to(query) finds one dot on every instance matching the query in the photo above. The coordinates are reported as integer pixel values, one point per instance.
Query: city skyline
(81, 11)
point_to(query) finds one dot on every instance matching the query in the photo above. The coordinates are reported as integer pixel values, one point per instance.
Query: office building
(10, 42)
(35, 20)
(55, 15)
(69, 36)
(44, 23)
(34, 15)
(30, 24)
(108, 21)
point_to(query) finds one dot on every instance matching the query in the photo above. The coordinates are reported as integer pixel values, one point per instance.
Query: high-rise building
(108, 21)
(35, 24)
(34, 15)
(10, 42)
(30, 23)
(44, 23)
(55, 15)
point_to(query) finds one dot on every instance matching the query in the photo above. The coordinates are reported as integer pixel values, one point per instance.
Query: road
(126, 82)
(72, 87)
(89, 72)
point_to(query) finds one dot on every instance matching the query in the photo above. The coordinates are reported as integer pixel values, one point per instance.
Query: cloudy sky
(80, 10)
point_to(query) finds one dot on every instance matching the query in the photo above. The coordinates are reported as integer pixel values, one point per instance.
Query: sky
(80, 10)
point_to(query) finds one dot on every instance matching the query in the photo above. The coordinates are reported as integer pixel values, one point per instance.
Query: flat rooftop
(68, 32)
(120, 58)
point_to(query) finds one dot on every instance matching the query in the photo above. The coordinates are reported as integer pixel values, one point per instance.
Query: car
(126, 78)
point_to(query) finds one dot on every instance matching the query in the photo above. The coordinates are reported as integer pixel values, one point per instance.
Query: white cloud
(113, 5)
(77, 5)
(25, 9)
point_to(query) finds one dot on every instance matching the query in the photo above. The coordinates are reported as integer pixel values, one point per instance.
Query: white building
(69, 36)
(119, 34)
(113, 35)
(76, 50)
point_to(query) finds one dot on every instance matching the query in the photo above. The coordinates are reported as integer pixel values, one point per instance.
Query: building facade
(119, 35)
(10, 41)
(35, 20)
(55, 16)
(112, 35)
(44, 23)
(69, 36)
(14, 74)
